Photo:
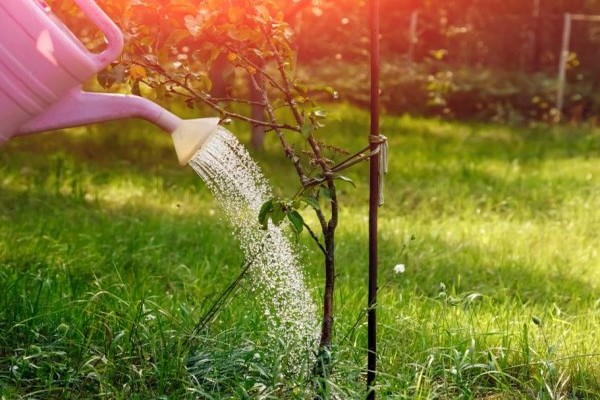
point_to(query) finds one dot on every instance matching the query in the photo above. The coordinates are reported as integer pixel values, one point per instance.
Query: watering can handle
(113, 34)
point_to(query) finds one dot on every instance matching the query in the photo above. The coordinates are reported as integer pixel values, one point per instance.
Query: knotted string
(383, 150)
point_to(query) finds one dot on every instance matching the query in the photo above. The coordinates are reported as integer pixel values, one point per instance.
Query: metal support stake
(374, 197)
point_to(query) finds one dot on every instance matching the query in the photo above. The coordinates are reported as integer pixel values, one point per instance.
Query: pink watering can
(42, 67)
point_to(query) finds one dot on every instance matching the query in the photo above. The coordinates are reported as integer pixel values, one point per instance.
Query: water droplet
(240, 189)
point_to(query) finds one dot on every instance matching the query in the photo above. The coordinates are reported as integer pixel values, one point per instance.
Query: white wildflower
(399, 269)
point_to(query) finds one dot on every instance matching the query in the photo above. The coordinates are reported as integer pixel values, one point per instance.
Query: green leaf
(161, 92)
(203, 81)
(327, 89)
(300, 99)
(105, 79)
(177, 36)
(278, 214)
(135, 88)
(311, 201)
(319, 113)
(111, 75)
(263, 215)
(345, 179)
(334, 93)
(228, 73)
(326, 192)
(302, 89)
(307, 130)
(206, 55)
(296, 220)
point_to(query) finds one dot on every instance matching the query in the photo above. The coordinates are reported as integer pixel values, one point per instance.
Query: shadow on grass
(505, 275)
(137, 149)
(467, 188)
(428, 188)
(111, 290)
(59, 229)
(67, 231)
(130, 146)
(71, 231)
(73, 247)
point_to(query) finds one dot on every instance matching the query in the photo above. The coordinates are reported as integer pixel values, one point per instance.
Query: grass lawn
(110, 253)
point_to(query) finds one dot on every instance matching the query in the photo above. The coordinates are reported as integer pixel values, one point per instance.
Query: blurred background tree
(493, 60)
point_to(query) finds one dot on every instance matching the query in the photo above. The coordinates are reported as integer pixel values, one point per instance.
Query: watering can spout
(83, 108)
(191, 135)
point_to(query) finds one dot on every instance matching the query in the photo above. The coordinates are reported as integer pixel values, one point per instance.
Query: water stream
(240, 189)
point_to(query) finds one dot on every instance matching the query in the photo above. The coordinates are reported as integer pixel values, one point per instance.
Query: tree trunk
(327, 325)
(257, 112)
(323, 363)
(219, 85)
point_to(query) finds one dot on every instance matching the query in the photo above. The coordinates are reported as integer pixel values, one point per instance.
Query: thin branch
(287, 91)
(300, 119)
(212, 103)
(234, 100)
(318, 212)
(315, 238)
(327, 227)
(241, 117)
(256, 67)
(358, 157)
(288, 150)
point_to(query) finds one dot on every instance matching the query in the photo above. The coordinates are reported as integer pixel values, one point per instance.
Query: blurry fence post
(562, 67)
(413, 37)
(566, 52)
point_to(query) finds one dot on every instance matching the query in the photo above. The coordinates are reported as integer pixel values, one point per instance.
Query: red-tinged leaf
(236, 15)
(177, 36)
(194, 24)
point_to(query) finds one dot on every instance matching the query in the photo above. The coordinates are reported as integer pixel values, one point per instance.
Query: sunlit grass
(110, 253)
